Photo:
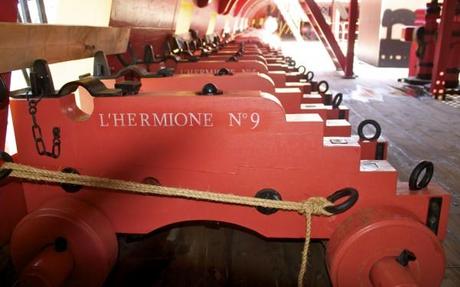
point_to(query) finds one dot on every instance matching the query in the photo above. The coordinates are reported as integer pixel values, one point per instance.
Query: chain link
(37, 132)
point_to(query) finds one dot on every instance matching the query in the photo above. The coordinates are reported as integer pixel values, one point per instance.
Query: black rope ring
(323, 84)
(349, 192)
(301, 67)
(4, 156)
(414, 180)
(378, 130)
(309, 76)
(68, 187)
(291, 63)
(337, 101)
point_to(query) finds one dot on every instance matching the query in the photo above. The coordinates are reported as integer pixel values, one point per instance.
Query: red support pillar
(443, 48)
(352, 20)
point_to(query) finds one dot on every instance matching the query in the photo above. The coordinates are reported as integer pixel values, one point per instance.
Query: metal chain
(37, 132)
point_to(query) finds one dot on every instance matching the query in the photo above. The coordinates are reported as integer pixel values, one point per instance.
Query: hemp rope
(311, 206)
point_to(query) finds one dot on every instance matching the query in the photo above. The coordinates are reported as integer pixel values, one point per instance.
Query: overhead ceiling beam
(252, 7)
(238, 6)
(225, 6)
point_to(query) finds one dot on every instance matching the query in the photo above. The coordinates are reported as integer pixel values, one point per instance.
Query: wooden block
(24, 43)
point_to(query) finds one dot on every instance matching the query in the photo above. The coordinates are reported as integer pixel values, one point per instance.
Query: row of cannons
(232, 117)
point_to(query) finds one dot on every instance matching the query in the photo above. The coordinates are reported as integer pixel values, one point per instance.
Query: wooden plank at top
(21, 44)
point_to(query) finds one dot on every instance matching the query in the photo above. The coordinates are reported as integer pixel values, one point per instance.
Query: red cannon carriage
(238, 143)
(232, 144)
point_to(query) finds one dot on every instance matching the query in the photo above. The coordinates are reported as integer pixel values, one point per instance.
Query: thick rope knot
(315, 206)
(309, 207)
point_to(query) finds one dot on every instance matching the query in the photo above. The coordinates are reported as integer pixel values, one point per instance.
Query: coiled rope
(313, 206)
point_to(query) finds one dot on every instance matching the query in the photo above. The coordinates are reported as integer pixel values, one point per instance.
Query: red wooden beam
(222, 5)
(238, 6)
(251, 7)
(225, 6)
(352, 20)
(443, 47)
(232, 4)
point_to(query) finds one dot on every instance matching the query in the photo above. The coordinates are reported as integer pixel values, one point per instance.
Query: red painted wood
(49, 268)
(222, 6)
(239, 143)
(8, 11)
(91, 239)
(443, 48)
(266, 151)
(388, 272)
(291, 98)
(238, 6)
(225, 6)
(365, 248)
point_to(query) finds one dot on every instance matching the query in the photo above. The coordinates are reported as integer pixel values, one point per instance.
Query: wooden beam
(24, 43)
(444, 48)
